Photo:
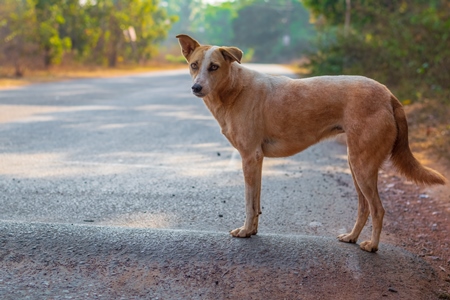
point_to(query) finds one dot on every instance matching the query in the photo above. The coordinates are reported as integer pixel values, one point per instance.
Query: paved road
(124, 187)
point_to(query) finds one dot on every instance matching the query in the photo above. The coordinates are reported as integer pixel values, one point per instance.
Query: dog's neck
(219, 101)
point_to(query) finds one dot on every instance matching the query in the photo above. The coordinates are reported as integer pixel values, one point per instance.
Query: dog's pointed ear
(187, 44)
(231, 54)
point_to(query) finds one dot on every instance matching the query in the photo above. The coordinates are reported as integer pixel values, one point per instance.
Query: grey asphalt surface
(125, 188)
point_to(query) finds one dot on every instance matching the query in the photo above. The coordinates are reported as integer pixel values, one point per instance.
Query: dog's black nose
(197, 88)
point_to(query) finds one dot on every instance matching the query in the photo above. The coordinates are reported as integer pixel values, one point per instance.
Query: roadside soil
(62, 73)
(418, 218)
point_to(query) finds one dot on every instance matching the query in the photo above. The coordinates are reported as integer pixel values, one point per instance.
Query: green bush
(404, 44)
(175, 58)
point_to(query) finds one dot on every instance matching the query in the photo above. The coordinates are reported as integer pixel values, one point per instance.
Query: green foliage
(91, 31)
(175, 59)
(208, 23)
(123, 30)
(216, 23)
(187, 11)
(275, 31)
(18, 33)
(278, 31)
(405, 44)
(50, 18)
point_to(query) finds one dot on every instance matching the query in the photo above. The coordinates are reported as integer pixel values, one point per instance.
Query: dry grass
(299, 67)
(58, 73)
(429, 124)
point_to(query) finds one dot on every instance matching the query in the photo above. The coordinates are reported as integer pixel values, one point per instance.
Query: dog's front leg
(252, 167)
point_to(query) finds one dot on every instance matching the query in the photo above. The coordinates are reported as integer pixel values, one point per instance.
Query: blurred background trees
(405, 44)
(276, 31)
(41, 33)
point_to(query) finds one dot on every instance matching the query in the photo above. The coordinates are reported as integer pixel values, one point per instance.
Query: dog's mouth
(199, 94)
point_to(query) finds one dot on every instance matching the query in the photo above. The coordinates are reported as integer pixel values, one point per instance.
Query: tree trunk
(18, 70)
(112, 57)
(47, 58)
(348, 7)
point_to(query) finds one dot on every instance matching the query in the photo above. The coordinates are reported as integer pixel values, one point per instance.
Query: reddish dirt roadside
(418, 220)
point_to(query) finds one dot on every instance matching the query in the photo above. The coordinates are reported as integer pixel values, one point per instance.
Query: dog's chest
(220, 114)
(232, 130)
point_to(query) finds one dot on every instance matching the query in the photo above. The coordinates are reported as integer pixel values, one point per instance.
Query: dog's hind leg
(363, 215)
(369, 143)
(365, 161)
(252, 167)
(368, 185)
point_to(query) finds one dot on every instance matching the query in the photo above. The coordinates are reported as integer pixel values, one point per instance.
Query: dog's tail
(401, 155)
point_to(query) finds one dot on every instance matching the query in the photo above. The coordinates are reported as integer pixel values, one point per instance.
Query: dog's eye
(194, 66)
(213, 67)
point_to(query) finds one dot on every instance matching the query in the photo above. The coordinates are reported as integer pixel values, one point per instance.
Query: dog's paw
(242, 232)
(368, 246)
(347, 238)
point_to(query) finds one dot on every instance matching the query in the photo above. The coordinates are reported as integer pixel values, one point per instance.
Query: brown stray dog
(275, 116)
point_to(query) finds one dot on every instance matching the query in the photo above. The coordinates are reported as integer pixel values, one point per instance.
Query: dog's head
(209, 65)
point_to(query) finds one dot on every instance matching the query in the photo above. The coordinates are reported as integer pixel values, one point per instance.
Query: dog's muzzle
(196, 89)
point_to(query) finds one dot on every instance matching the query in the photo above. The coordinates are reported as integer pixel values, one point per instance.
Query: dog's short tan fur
(275, 116)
